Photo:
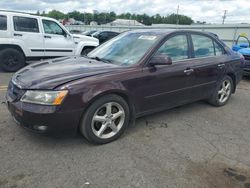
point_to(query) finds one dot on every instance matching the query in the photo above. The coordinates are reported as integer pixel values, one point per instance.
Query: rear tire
(223, 92)
(105, 120)
(11, 60)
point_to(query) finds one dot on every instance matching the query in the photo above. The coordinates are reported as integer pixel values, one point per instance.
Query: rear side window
(218, 49)
(3, 22)
(25, 24)
(203, 46)
(176, 47)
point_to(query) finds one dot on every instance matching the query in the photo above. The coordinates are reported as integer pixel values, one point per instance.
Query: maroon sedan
(134, 74)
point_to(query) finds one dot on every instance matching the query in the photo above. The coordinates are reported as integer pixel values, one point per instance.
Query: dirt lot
(196, 145)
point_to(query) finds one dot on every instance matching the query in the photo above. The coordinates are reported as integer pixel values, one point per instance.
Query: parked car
(74, 31)
(135, 74)
(26, 37)
(242, 46)
(88, 33)
(104, 36)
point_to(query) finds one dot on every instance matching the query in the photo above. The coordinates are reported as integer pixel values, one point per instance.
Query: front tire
(105, 120)
(11, 60)
(222, 92)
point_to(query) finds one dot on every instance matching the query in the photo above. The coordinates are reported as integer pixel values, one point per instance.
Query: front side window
(3, 22)
(51, 27)
(25, 24)
(176, 47)
(203, 46)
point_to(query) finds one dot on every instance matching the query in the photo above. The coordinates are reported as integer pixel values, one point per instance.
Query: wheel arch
(233, 77)
(81, 45)
(119, 93)
(86, 47)
(13, 46)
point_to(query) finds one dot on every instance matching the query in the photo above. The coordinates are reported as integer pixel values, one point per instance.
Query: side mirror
(66, 35)
(160, 59)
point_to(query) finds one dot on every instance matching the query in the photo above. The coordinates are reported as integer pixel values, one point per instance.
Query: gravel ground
(195, 145)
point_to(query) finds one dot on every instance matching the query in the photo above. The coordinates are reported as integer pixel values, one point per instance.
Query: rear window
(25, 24)
(3, 22)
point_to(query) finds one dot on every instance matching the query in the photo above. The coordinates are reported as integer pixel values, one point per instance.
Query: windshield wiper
(101, 59)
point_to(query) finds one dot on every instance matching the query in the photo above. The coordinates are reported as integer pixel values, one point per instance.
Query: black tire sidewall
(18, 54)
(85, 125)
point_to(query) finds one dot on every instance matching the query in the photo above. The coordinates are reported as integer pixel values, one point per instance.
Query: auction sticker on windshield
(147, 37)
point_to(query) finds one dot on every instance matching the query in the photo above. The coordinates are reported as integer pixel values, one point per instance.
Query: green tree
(76, 15)
(56, 14)
(180, 19)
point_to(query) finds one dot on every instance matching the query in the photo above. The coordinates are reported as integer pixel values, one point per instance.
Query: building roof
(124, 22)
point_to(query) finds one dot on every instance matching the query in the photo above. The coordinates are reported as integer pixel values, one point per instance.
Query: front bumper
(56, 121)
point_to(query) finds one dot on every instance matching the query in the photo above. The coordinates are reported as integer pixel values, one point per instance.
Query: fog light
(40, 127)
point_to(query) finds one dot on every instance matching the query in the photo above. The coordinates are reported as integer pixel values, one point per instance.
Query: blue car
(244, 49)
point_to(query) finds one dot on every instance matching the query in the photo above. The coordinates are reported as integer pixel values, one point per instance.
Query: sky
(211, 11)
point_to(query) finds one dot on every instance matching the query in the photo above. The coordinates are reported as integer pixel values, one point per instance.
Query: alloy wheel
(225, 91)
(108, 120)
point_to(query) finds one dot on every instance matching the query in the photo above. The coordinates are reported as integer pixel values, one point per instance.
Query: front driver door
(166, 86)
(56, 41)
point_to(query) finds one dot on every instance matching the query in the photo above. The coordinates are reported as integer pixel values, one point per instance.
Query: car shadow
(78, 140)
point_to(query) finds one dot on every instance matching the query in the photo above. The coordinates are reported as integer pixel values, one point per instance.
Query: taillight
(242, 58)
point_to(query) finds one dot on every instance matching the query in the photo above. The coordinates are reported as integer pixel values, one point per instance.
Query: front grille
(14, 92)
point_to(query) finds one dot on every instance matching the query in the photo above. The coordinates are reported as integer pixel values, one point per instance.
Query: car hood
(79, 37)
(244, 51)
(52, 73)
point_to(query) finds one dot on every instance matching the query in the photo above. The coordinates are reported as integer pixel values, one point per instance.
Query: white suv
(25, 37)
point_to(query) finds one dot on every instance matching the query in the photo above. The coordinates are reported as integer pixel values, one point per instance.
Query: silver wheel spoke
(224, 85)
(102, 129)
(222, 97)
(109, 109)
(99, 118)
(227, 86)
(117, 115)
(220, 91)
(113, 127)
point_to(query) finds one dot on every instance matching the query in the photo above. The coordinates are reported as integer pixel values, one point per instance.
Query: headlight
(44, 97)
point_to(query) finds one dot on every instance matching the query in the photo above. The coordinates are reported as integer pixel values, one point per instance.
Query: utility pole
(224, 16)
(177, 15)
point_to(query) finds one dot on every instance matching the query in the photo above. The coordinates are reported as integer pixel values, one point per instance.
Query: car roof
(164, 32)
(25, 14)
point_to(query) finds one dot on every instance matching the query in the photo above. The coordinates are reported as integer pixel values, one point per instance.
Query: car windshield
(126, 49)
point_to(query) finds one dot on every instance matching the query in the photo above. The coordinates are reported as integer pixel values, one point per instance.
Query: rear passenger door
(27, 32)
(207, 64)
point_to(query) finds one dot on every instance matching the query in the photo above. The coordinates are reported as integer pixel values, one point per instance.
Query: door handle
(47, 37)
(17, 35)
(188, 71)
(221, 65)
